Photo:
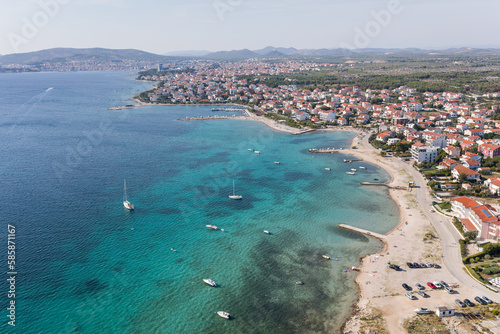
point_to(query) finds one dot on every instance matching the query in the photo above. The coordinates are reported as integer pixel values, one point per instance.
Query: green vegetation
(463, 249)
(426, 323)
(458, 225)
(445, 205)
(436, 81)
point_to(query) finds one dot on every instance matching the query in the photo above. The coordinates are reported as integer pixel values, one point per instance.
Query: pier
(384, 185)
(229, 109)
(362, 231)
(202, 118)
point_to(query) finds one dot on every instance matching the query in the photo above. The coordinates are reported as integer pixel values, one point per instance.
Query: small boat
(328, 168)
(234, 196)
(251, 149)
(422, 310)
(267, 232)
(326, 257)
(173, 249)
(353, 169)
(126, 203)
(209, 282)
(351, 173)
(224, 314)
(345, 161)
(257, 152)
(213, 227)
(277, 162)
(362, 167)
(299, 283)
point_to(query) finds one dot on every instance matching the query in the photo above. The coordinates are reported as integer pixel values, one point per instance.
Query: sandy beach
(413, 240)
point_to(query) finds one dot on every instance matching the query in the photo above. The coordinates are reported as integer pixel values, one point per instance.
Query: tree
(462, 177)
(440, 156)
(470, 235)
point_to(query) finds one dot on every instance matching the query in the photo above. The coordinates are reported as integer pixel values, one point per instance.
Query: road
(449, 236)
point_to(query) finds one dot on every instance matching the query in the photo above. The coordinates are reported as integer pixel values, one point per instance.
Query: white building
(445, 311)
(421, 152)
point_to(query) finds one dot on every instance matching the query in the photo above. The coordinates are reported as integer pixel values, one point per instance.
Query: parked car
(437, 266)
(420, 286)
(395, 267)
(444, 284)
(480, 301)
(437, 285)
(460, 303)
(409, 295)
(431, 210)
(407, 287)
(469, 303)
(423, 294)
(450, 290)
(410, 265)
(432, 286)
(416, 265)
(486, 299)
(429, 265)
(422, 265)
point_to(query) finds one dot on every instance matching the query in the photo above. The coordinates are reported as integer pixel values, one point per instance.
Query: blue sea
(86, 265)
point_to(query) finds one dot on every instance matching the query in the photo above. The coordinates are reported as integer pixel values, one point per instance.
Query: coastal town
(444, 145)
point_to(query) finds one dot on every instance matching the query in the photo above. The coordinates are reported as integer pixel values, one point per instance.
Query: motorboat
(224, 314)
(213, 227)
(257, 152)
(299, 283)
(209, 282)
(328, 168)
(362, 167)
(267, 232)
(277, 162)
(351, 173)
(353, 169)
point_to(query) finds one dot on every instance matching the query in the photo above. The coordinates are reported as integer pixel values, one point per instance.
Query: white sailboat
(126, 203)
(234, 196)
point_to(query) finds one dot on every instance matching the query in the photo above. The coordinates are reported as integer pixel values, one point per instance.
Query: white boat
(351, 173)
(251, 149)
(258, 152)
(353, 169)
(362, 167)
(224, 314)
(126, 203)
(213, 227)
(326, 257)
(209, 282)
(328, 168)
(234, 196)
(267, 232)
(422, 310)
(299, 283)
(277, 162)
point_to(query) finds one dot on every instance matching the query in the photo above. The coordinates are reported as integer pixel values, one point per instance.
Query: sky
(165, 26)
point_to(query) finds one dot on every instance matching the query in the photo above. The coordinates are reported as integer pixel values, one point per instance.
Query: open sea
(86, 265)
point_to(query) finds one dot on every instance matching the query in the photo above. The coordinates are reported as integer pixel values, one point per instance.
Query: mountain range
(60, 55)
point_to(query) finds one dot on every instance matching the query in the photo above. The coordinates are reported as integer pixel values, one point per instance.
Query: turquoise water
(86, 265)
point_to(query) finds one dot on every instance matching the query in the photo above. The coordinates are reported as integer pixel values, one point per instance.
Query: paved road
(448, 234)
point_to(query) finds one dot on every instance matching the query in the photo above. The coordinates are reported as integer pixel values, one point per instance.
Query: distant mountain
(232, 55)
(70, 54)
(275, 54)
(189, 53)
(267, 49)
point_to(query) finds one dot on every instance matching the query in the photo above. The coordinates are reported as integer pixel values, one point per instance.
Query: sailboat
(126, 203)
(234, 196)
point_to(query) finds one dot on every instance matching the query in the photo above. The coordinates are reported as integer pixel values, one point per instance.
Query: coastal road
(449, 236)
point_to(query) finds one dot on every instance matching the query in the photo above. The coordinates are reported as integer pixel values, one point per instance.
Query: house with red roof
(489, 150)
(476, 216)
(452, 151)
(470, 175)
